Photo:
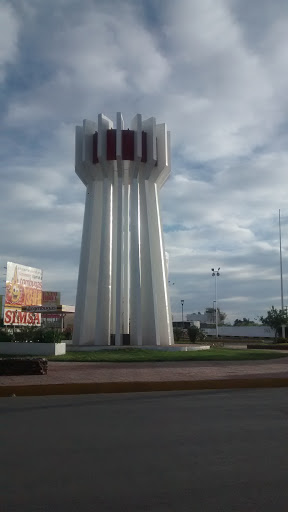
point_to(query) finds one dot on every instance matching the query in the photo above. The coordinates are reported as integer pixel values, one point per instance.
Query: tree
(178, 333)
(275, 318)
(220, 315)
(245, 321)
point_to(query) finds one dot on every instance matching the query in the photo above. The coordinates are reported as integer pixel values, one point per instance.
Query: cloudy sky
(215, 71)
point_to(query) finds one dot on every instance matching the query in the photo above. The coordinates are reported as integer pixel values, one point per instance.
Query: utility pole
(216, 273)
(281, 275)
(182, 304)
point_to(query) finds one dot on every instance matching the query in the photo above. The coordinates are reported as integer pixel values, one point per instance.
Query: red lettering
(8, 318)
(49, 297)
(36, 319)
(14, 316)
(22, 317)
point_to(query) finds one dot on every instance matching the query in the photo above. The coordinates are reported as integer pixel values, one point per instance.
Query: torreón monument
(122, 292)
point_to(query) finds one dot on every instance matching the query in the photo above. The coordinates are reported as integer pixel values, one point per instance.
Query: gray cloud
(8, 37)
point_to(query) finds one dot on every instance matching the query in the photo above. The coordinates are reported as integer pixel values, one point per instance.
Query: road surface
(185, 451)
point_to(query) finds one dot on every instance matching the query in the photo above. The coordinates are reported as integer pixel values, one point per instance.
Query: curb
(136, 387)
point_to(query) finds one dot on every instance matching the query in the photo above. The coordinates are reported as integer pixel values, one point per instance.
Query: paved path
(76, 373)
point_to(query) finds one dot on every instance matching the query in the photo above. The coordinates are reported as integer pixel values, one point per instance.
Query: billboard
(51, 299)
(23, 286)
(45, 309)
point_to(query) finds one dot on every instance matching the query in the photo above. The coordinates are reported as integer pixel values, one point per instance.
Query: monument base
(125, 340)
(168, 348)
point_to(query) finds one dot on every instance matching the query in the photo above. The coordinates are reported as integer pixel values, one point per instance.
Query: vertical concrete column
(148, 298)
(135, 266)
(126, 253)
(103, 306)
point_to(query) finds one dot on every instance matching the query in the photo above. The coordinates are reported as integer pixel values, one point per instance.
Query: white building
(203, 318)
(246, 331)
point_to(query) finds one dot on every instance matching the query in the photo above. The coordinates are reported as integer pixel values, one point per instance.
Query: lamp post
(182, 305)
(214, 311)
(216, 273)
(281, 276)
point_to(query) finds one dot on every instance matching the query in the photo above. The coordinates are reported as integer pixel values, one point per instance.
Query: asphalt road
(187, 451)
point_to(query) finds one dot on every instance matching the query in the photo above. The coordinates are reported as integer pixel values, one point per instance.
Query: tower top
(143, 148)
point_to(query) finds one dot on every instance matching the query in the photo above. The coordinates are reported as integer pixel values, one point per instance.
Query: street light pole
(214, 312)
(182, 304)
(281, 275)
(216, 273)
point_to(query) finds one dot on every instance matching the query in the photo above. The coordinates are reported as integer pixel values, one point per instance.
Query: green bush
(34, 334)
(178, 333)
(51, 336)
(25, 334)
(280, 340)
(195, 334)
(67, 333)
(5, 336)
(47, 335)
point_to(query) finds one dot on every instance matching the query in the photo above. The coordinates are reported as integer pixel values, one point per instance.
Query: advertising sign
(23, 286)
(46, 309)
(39, 309)
(51, 298)
(18, 317)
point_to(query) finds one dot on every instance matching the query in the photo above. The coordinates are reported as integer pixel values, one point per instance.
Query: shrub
(280, 340)
(177, 333)
(67, 333)
(48, 335)
(33, 334)
(25, 334)
(5, 336)
(54, 336)
(195, 334)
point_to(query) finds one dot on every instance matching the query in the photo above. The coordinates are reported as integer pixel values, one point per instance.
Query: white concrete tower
(122, 293)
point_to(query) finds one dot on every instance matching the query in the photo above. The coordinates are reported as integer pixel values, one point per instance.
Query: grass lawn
(135, 355)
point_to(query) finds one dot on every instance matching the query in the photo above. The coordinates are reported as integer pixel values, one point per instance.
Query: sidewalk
(76, 378)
